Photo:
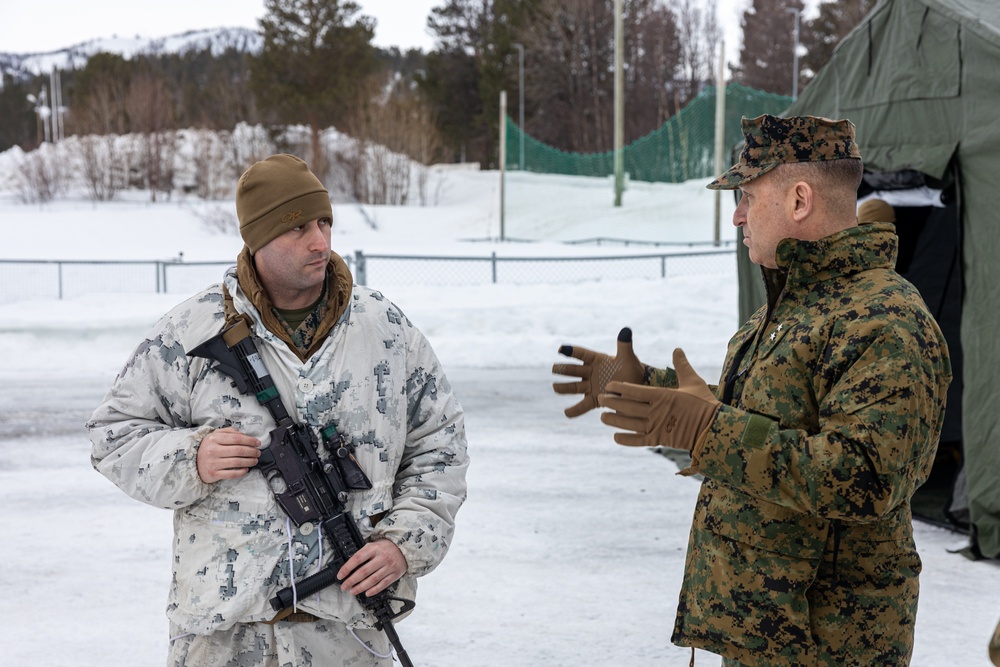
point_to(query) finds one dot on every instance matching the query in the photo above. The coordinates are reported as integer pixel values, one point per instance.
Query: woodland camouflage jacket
(374, 374)
(801, 550)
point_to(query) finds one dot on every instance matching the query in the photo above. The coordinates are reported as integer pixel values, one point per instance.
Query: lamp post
(520, 102)
(795, 53)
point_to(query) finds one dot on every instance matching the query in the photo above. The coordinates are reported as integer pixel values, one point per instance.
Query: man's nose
(317, 237)
(740, 214)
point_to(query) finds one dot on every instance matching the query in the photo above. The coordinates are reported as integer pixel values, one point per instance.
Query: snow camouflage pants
(282, 644)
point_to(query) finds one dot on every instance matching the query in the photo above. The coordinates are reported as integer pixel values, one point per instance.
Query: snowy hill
(75, 56)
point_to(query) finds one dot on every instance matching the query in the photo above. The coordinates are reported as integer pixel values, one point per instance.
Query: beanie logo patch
(291, 216)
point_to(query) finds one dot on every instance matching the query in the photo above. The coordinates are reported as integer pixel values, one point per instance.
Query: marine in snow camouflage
(374, 374)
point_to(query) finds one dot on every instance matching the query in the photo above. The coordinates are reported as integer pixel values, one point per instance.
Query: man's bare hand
(375, 567)
(226, 454)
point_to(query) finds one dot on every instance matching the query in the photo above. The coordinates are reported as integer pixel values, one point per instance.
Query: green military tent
(921, 81)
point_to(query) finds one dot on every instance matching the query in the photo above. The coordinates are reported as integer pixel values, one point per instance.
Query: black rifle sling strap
(308, 488)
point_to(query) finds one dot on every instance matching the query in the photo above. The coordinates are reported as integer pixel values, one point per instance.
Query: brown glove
(596, 371)
(658, 416)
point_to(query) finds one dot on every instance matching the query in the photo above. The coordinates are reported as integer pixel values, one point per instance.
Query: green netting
(682, 148)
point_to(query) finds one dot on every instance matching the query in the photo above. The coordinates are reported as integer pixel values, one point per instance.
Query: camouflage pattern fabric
(801, 549)
(726, 662)
(770, 141)
(307, 340)
(280, 645)
(374, 374)
(660, 377)
(303, 335)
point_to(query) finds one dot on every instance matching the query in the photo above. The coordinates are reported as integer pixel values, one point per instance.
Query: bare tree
(569, 71)
(102, 117)
(103, 109)
(699, 35)
(213, 178)
(653, 55)
(105, 166)
(149, 106)
(395, 137)
(40, 176)
(248, 144)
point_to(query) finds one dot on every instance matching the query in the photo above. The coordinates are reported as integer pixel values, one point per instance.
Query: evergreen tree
(212, 89)
(315, 55)
(481, 33)
(21, 126)
(767, 56)
(450, 83)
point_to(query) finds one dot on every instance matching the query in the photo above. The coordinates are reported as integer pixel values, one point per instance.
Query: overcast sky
(39, 26)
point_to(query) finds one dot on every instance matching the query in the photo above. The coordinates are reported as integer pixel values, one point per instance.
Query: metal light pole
(795, 54)
(520, 101)
(503, 158)
(619, 100)
(720, 135)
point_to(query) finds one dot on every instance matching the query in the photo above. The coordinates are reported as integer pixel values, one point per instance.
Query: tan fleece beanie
(276, 195)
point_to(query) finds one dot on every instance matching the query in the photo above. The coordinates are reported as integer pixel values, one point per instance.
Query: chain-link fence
(22, 280)
(379, 270)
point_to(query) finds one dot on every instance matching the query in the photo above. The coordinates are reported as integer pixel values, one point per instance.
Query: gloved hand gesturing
(658, 416)
(596, 371)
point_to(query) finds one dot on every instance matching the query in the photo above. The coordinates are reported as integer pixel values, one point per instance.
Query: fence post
(493, 262)
(360, 268)
(663, 266)
(59, 264)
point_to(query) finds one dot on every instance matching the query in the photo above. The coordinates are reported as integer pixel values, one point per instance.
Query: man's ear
(802, 201)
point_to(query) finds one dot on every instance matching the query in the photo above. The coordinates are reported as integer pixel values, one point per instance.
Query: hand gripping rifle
(312, 489)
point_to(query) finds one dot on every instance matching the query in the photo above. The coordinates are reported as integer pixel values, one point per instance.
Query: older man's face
(765, 214)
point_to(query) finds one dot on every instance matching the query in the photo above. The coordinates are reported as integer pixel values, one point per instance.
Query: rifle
(310, 488)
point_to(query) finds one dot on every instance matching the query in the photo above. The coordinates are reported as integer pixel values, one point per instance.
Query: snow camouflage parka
(801, 550)
(375, 375)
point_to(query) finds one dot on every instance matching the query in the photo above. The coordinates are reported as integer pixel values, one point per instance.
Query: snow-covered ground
(569, 550)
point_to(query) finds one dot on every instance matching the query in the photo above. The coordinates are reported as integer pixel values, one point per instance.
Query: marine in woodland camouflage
(770, 141)
(801, 550)
(374, 375)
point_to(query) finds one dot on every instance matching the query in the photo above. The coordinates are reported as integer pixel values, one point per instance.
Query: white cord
(319, 564)
(369, 648)
(291, 563)
(186, 634)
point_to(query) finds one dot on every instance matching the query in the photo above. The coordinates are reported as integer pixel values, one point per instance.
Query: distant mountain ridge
(22, 66)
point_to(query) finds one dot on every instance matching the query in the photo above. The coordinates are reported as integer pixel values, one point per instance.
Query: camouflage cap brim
(770, 140)
(739, 174)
